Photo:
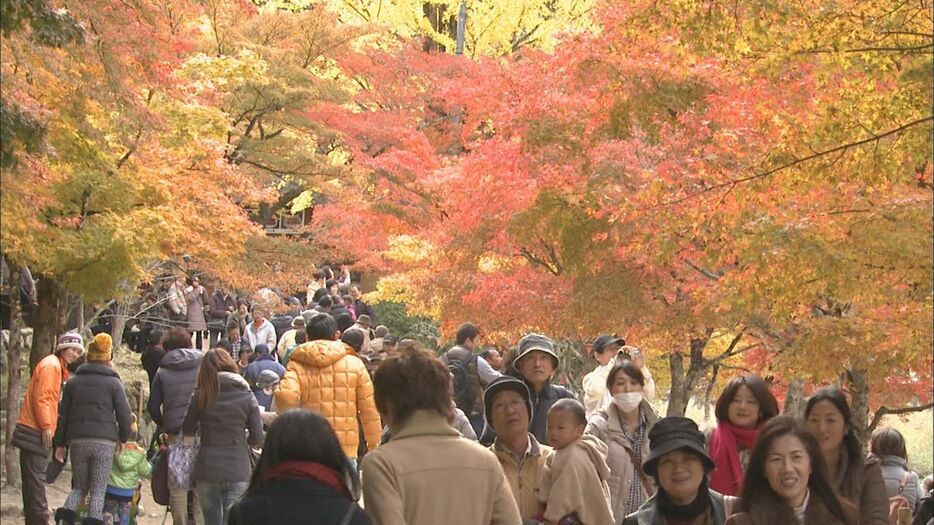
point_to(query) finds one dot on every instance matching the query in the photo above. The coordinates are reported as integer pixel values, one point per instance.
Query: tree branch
(884, 410)
(841, 148)
(909, 49)
(706, 273)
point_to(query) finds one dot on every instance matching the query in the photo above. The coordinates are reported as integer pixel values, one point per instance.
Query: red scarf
(310, 469)
(727, 478)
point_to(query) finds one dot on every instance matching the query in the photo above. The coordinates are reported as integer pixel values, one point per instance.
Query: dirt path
(11, 511)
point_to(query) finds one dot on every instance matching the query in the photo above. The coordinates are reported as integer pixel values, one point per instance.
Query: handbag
(159, 483)
(182, 456)
(646, 482)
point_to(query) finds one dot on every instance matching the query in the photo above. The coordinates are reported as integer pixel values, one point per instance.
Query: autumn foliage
(672, 171)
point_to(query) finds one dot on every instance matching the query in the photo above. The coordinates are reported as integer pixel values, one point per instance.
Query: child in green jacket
(129, 466)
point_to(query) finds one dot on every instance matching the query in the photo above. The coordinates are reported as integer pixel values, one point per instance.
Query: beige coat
(575, 482)
(287, 340)
(606, 427)
(428, 473)
(524, 477)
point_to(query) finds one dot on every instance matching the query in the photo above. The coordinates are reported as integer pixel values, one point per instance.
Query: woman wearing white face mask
(624, 426)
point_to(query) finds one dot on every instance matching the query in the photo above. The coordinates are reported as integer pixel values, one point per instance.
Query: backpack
(898, 500)
(925, 511)
(464, 395)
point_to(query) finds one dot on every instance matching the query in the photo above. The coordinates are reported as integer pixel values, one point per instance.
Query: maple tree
(492, 27)
(686, 172)
(734, 187)
(113, 185)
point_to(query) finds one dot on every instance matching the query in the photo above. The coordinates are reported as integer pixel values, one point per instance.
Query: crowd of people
(319, 415)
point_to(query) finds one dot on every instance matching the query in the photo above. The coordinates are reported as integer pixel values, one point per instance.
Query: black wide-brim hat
(675, 433)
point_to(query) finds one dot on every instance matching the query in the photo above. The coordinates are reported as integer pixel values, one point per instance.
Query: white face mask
(627, 401)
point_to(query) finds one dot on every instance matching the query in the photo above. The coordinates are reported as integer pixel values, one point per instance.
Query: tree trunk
(48, 322)
(859, 402)
(677, 399)
(794, 398)
(14, 378)
(74, 306)
(683, 385)
(119, 322)
(714, 373)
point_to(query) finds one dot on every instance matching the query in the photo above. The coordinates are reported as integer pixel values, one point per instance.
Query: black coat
(172, 386)
(648, 513)
(94, 405)
(150, 360)
(361, 308)
(294, 501)
(282, 324)
(541, 404)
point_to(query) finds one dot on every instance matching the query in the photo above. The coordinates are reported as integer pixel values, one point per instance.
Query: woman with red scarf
(303, 477)
(742, 409)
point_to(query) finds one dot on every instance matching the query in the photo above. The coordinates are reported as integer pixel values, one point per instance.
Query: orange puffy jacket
(40, 407)
(327, 377)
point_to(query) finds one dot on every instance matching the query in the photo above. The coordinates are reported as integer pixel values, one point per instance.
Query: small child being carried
(574, 489)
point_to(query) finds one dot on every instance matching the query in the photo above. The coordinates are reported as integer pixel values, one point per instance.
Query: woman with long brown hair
(855, 474)
(222, 407)
(786, 481)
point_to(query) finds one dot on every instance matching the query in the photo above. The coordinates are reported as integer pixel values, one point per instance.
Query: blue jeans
(217, 497)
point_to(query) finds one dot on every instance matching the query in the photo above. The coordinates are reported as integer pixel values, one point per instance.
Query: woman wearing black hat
(680, 464)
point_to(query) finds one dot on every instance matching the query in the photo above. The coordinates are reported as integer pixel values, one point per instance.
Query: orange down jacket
(40, 407)
(327, 377)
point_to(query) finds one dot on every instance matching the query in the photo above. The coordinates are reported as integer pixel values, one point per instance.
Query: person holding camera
(608, 351)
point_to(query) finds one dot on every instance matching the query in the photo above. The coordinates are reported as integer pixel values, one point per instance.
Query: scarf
(689, 512)
(310, 469)
(727, 478)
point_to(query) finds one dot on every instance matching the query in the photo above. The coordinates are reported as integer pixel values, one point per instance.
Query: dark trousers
(35, 505)
(216, 335)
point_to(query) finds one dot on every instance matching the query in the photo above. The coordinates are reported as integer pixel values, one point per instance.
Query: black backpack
(925, 511)
(464, 395)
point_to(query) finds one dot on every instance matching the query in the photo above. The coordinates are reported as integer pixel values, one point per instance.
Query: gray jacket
(225, 444)
(894, 470)
(172, 386)
(93, 406)
(648, 513)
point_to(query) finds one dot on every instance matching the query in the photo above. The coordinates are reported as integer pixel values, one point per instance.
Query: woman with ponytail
(744, 406)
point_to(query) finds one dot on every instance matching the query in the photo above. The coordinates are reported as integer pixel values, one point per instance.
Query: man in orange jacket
(37, 420)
